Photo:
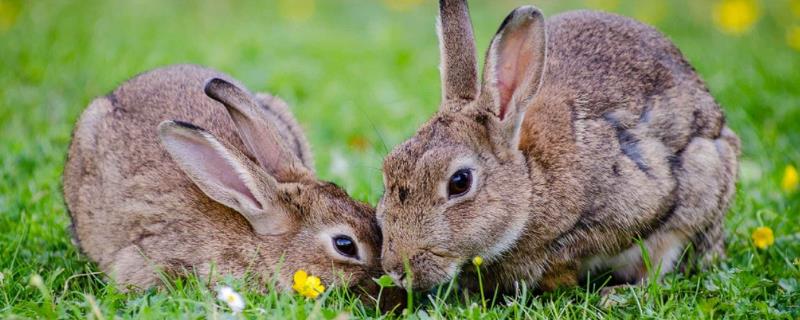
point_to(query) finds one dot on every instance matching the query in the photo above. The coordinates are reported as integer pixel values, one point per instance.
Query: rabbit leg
(663, 249)
(706, 174)
(130, 266)
(562, 274)
(607, 295)
(709, 177)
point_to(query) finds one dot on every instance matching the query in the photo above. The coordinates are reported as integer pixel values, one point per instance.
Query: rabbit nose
(398, 277)
(395, 269)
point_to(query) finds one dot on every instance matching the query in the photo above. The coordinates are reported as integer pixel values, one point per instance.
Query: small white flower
(2, 277)
(233, 299)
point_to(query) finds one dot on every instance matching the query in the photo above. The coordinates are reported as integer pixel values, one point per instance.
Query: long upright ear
(459, 66)
(259, 135)
(514, 67)
(226, 176)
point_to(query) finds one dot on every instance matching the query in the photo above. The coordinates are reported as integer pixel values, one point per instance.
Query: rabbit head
(460, 187)
(312, 225)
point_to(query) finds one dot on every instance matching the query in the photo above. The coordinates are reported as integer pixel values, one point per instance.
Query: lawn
(361, 77)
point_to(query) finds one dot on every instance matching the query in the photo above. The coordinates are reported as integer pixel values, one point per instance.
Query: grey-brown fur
(461, 72)
(135, 211)
(619, 139)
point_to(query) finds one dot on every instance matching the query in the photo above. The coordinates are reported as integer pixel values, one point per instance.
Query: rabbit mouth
(428, 268)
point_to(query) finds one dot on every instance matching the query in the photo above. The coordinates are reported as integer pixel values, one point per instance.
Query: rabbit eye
(345, 246)
(459, 184)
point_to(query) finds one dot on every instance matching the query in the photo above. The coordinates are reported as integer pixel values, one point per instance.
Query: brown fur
(459, 74)
(136, 211)
(606, 136)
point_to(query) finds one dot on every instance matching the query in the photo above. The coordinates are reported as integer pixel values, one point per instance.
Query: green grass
(361, 79)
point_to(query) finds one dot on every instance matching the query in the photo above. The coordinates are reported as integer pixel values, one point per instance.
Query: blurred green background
(361, 77)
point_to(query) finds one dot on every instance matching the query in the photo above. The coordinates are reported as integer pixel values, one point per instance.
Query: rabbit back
(632, 143)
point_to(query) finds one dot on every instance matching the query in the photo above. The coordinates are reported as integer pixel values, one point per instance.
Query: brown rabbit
(588, 132)
(241, 195)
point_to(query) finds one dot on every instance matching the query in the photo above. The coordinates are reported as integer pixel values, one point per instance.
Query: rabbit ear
(459, 66)
(259, 135)
(226, 176)
(514, 66)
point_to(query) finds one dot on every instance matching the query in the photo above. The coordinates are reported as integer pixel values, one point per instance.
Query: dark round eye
(345, 246)
(459, 183)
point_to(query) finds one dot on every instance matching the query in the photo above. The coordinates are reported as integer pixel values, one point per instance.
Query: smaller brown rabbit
(147, 195)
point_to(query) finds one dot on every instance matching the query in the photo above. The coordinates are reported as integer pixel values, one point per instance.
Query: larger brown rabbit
(589, 131)
(146, 195)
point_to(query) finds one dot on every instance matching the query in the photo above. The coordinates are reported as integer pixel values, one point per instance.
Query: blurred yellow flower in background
(307, 286)
(358, 142)
(296, 10)
(402, 5)
(763, 237)
(735, 16)
(8, 14)
(793, 37)
(790, 180)
(605, 5)
(651, 12)
(795, 5)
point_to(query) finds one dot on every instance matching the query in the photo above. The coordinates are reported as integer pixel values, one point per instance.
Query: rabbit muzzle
(421, 269)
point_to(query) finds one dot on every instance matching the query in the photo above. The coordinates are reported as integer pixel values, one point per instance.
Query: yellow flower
(297, 10)
(651, 12)
(401, 5)
(307, 286)
(763, 237)
(735, 16)
(795, 5)
(9, 11)
(793, 37)
(605, 5)
(796, 262)
(477, 261)
(790, 180)
(358, 142)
